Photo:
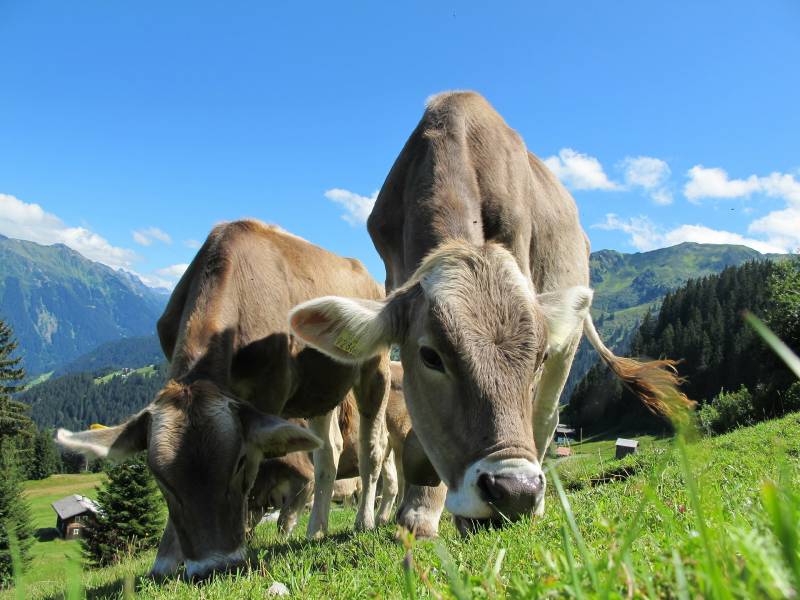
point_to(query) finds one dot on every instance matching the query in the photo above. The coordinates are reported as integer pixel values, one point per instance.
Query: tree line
(727, 368)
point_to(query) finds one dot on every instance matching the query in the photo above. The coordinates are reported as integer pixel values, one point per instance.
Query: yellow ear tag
(347, 342)
(97, 426)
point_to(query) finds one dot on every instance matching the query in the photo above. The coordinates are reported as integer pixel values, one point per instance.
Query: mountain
(627, 285)
(62, 305)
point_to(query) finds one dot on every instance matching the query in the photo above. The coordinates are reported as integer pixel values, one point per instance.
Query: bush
(791, 398)
(728, 410)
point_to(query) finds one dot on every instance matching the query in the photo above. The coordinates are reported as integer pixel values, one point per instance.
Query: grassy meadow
(713, 518)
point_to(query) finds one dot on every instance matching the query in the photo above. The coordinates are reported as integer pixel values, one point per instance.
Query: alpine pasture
(686, 517)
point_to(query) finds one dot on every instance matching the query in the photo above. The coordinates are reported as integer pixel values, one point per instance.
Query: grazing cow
(232, 362)
(488, 270)
(287, 483)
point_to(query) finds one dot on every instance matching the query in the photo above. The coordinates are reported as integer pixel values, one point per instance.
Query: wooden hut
(625, 447)
(73, 514)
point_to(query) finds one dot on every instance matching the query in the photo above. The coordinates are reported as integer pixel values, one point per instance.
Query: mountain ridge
(62, 305)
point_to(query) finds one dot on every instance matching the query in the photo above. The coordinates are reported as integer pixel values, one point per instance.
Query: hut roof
(627, 443)
(71, 506)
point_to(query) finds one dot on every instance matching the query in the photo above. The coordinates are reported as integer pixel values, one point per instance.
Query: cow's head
(473, 338)
(204, 448)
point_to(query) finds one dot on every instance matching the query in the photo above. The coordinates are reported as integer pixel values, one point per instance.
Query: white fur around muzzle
(466, 501)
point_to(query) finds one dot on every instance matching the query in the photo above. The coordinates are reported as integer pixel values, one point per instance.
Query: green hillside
(131, 353)
(62, 305)
(77, 400)
(627, 285)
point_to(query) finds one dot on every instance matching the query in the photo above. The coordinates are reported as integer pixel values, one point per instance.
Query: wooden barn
(625, 447)
(74, 513)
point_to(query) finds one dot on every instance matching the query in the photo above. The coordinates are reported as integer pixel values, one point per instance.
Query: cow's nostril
(511, 495)
(488, 487)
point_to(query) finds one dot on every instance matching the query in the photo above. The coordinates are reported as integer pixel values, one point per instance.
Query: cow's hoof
(315, 534)
(418, 523)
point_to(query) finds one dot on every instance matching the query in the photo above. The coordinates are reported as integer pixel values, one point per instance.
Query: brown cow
(232, 362)
(488, 268)
(287, 483)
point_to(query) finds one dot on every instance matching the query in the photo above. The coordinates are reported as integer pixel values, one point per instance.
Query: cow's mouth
(468, 525)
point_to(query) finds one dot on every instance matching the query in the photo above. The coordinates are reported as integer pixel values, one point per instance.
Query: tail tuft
(655, 382)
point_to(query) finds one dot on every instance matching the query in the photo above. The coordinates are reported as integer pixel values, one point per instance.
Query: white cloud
(357, 207)
(643, 233)
(173, 271)
(782, 227)
(646, 235)
(145, 237)
(650, 174)
(715, 183)
(154, 281)
(579, 171)
(193, 244)
(26, 221)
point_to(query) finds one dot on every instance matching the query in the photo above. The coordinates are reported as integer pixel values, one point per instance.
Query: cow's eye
(240, 465)
(431, 359)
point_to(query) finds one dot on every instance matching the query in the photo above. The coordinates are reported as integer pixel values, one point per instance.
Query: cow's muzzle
(511, 495)
(498, 491)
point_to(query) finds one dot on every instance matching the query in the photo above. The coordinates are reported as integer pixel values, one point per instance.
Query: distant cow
(232, 363)
(287, 483)
(488, 268)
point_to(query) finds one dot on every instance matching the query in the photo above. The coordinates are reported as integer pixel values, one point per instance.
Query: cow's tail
(655, 382)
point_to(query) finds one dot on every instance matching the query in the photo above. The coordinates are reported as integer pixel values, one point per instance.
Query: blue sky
(128, 129)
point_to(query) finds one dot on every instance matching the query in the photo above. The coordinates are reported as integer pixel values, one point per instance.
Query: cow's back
(464, 173)
(228, 317)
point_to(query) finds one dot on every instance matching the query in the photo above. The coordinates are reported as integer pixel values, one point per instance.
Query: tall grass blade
(573, 526)
(457, 586)
(681, 585)
(719, 589)
(782, 513)
(773, 341)
(573, 569)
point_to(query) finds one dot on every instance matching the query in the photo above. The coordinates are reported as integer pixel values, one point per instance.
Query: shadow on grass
(255, 560)
(46, 534)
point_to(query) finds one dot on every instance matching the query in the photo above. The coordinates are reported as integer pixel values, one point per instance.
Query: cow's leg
(421, 509)
(388, 489)
(169, 556)
(292, 508)
(545, 405)
(326, 461)
(372, 393)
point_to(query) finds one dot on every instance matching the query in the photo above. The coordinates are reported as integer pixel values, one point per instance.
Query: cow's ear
(275, 437)
(564, 311)
(347, 329)
(417, 468)
(114, 443)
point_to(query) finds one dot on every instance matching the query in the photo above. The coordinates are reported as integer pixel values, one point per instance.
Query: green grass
(39, 379)
(50, 559)
(716, 518)
(147, 371)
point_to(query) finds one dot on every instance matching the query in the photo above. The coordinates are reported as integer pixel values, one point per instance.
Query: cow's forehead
(484, 305)
(206, 425)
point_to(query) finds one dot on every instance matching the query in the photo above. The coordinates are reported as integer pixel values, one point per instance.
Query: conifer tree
(13, 414)
(46, 459)
(131, 514)
(15, 517)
